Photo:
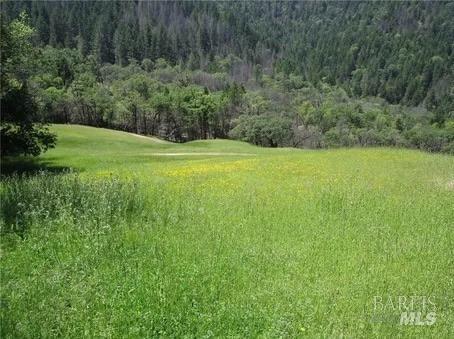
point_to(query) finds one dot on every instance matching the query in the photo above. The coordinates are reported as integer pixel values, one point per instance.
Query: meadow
(127, 236)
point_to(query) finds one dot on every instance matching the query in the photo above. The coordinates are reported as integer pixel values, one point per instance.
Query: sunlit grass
(275, 243)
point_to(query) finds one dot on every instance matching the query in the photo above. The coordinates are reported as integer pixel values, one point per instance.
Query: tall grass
(45, 198)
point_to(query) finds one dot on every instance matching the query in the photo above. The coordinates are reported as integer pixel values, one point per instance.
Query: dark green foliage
(19, 132)
(262, 130)
(301, 74)
(431, 138)
(27, 139)
(400, 51)
(179, 105)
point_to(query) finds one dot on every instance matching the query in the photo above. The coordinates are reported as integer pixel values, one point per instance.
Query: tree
(20, 134)
(263, 130)
(201, 107)
(121, 45)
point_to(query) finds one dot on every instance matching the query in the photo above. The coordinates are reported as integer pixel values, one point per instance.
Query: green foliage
(431, 138)
(262, 130)
(180, 105)
(370, 49)
(25, 139)
(19, 132)
(184, 86)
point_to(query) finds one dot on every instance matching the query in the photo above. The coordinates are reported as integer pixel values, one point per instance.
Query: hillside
(281, 74)
(88, 148)
(401, 51)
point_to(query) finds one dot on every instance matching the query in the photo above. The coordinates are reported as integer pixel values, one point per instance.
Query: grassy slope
(274, 243)
(87, 148)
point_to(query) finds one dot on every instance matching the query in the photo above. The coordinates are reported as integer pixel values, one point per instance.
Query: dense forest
(304, 74)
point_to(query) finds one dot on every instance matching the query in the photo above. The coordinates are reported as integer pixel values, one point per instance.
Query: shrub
(427, 137)
(262, 130)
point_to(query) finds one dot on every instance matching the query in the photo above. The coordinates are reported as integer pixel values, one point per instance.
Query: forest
(301, 74)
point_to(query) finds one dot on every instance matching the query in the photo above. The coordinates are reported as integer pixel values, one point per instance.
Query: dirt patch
(450, 185)
(154, 139)
(200, 153)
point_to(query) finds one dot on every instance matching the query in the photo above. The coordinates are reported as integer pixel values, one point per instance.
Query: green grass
(266, 243)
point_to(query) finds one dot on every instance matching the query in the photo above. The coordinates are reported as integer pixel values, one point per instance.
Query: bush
(262, 130)
(427, 138)
(340, 136)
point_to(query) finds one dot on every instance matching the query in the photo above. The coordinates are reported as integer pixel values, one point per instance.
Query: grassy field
(223, 239)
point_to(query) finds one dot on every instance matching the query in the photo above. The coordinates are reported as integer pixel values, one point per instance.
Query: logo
(417, 318)
(405, 310)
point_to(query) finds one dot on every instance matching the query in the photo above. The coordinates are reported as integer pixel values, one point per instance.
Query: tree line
(227, 76)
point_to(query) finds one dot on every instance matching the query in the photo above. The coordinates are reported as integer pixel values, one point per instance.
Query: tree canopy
(19, 132)
(305, 74)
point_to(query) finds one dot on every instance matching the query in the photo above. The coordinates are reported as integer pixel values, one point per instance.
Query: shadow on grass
(15, 170)
(27, 165)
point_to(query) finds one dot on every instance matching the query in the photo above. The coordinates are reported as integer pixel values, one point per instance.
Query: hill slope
(401, 51)
(82, 147)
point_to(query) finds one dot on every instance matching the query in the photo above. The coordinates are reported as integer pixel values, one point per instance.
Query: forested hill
(401, 51)
(301, 74)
